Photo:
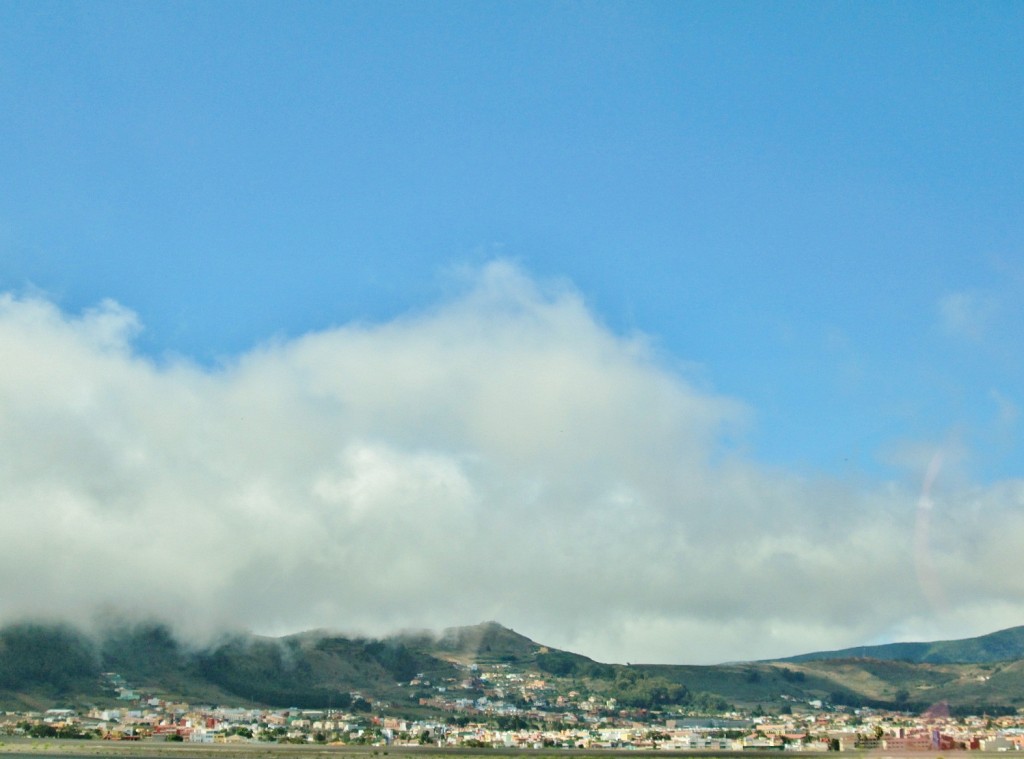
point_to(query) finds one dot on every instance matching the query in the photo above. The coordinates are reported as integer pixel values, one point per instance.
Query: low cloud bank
(502, 456)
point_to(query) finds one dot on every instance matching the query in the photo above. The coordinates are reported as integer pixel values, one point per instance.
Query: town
(522, 711)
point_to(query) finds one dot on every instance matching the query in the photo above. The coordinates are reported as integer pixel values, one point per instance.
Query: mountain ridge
(1001, 645)
(58, 665)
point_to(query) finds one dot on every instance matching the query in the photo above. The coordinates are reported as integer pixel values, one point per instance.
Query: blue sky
(809, 212)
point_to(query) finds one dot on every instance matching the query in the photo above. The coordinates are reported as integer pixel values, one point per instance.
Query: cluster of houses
(536, 717)
(855, 730)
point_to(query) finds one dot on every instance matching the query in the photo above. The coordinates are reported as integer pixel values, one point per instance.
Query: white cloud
(1007, 412)
(968, 314)
(502, 456)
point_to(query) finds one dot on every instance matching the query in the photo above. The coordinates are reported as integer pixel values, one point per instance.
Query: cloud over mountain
(503, 456)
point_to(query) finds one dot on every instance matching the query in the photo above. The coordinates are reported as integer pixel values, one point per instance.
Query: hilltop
(1003, 645)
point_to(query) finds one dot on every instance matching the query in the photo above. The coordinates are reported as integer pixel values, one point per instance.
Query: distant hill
(57, 664)
(486, 642)
(53, 665)
(1004, 645)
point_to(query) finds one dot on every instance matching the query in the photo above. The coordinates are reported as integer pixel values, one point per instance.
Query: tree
(43, 730)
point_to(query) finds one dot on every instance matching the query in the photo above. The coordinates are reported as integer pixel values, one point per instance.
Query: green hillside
(57, 665)
(488, 642)
(46, 663)
(1004, 645)
(43, 666)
